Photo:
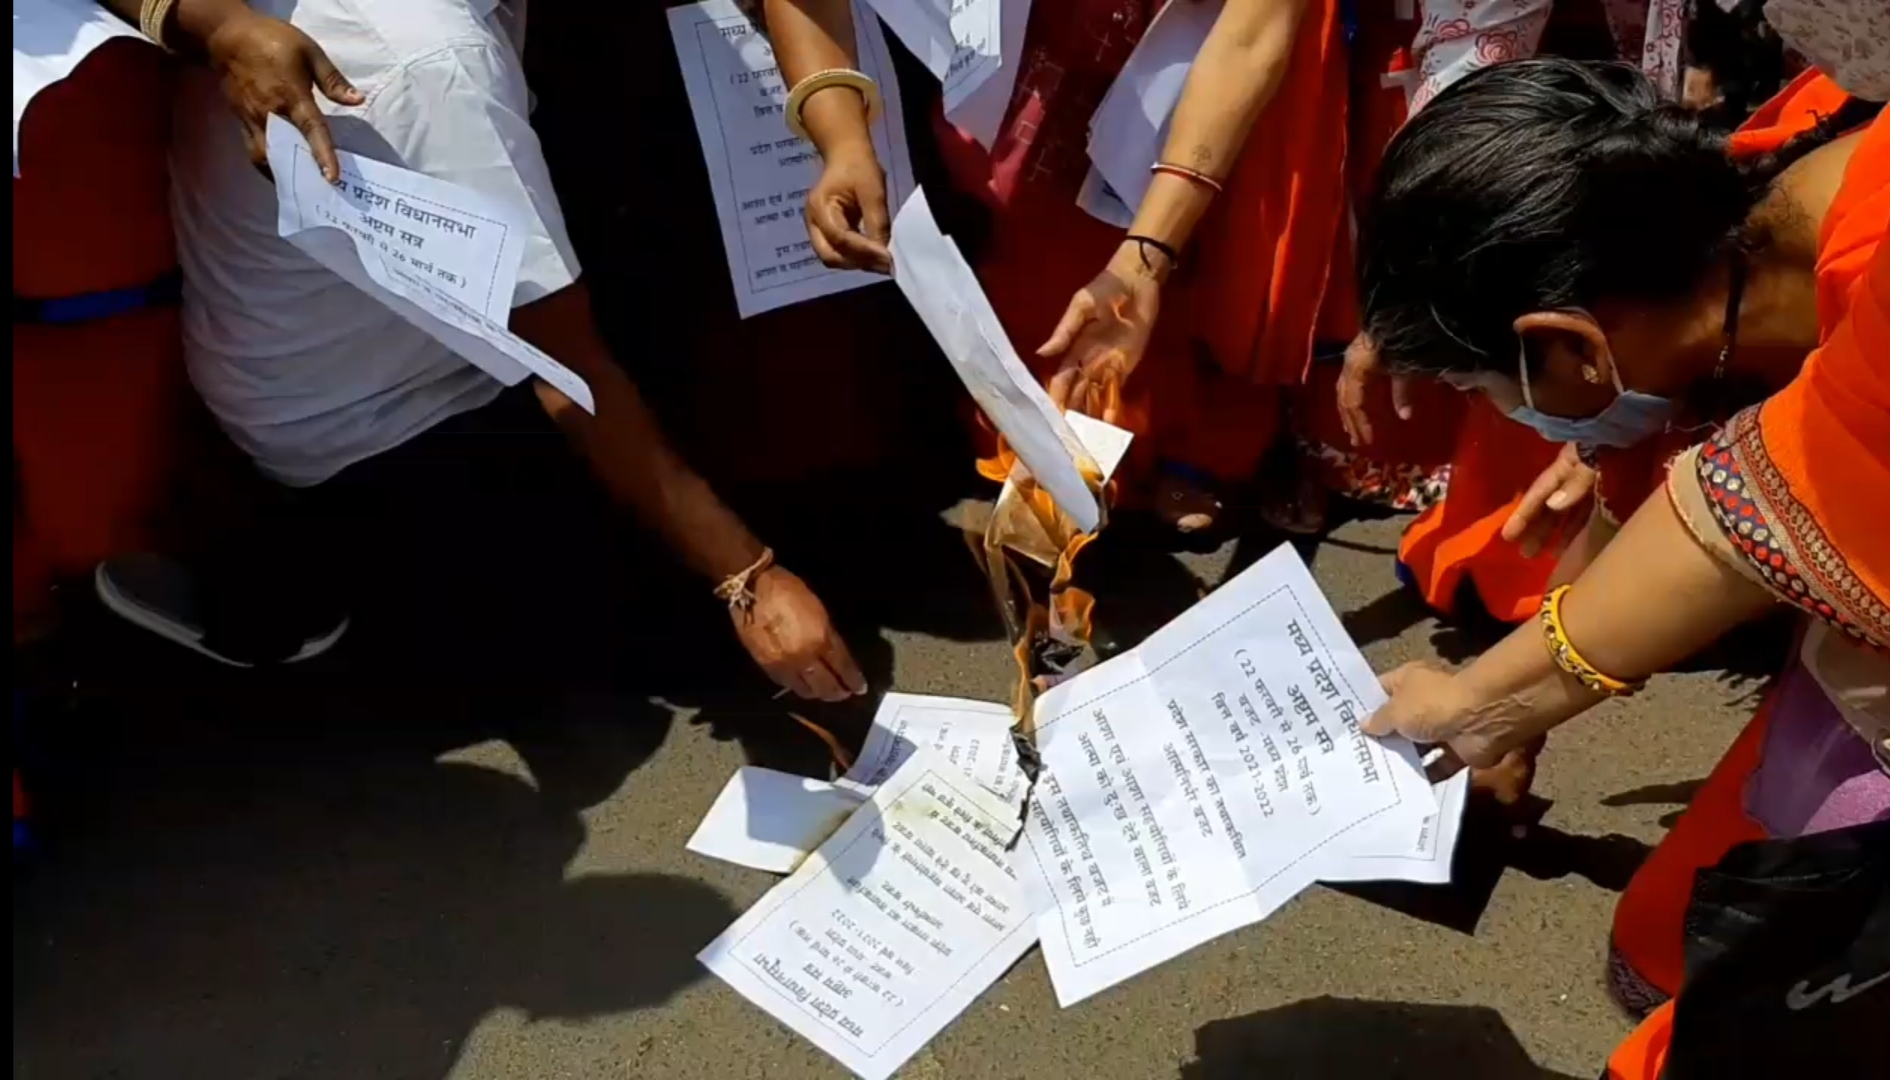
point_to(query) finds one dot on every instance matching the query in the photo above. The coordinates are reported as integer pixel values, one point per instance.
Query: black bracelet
(1146, 242)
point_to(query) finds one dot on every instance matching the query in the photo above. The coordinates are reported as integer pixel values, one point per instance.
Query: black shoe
(165, 598)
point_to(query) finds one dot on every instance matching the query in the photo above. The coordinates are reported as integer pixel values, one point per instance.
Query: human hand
(846, 210)
(1103, 334)
(1361, 368)
(1430, 705)
(268, 67)
(788, 633)
(1563, 487)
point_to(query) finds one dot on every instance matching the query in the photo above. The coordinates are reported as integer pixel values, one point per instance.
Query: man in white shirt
(314, 379)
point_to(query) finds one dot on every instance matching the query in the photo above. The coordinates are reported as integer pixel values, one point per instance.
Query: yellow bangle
(821, 80)
(152, 15)
(1562, 651)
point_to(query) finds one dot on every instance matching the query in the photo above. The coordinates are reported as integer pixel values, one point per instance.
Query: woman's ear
(1570, 339)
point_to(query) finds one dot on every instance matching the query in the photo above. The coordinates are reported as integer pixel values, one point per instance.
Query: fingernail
(1558, 501)
(1404, 413)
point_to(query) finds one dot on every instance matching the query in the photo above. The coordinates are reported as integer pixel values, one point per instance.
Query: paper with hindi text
(759, 172)
(976, 736)
(440, 255)
(1195, 783)
(771, 820)
(1128, 129)
(959, 41)
(895, 925)
(940, 285)
(50, 38)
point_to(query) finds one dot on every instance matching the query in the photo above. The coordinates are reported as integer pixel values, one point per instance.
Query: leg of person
(265, 590)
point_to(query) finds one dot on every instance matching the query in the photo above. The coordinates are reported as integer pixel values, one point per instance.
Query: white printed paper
(760, 172)
(889, 930)
(50, 37)
(770, 820)
(976, 736)
(980, 111)
(1392, 850)
(939, 283)
(439, 255)
(1194, 784)
(1107, 445)
(1129, 128)
(959, 41)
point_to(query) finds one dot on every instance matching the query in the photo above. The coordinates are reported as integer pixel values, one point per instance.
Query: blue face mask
(1630, 418)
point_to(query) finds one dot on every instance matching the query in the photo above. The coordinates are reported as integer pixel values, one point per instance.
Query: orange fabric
(1826, 436)
(1459, 540)
(98, 407)
(1263, 257)
(1643, 1055)
(1650, 918)
(1238, 321)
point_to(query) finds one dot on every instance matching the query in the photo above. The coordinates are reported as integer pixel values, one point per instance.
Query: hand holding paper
(946, 294)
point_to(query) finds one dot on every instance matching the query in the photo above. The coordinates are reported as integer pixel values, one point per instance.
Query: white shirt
(308, 374)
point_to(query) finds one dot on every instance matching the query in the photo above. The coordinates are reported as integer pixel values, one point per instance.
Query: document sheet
(1128, 129)
(440, 255)
(979, 110)
(889, 930)
(771, 820)
(760, 172)
(1194, 784)
(939, 283)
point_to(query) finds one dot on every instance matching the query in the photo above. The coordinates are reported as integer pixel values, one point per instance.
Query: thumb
(1397, 715)
(329, 78)
(1079, 312)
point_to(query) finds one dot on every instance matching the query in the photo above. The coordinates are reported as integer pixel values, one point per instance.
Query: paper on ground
(942, 289)
(888, 931)
(1393, 851)
(50, 37)
(976, 736)
(770, 820)
(441, 256)
(1128, 129)
(981, 112)
(759, 172)
(1194, 784)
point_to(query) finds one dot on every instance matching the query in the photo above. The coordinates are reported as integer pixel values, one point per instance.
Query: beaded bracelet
(1564, 654)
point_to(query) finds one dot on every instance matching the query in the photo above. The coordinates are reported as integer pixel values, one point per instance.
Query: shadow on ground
(1330, 1038)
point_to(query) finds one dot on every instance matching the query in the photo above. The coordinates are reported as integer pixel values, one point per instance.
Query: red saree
(1238, 322)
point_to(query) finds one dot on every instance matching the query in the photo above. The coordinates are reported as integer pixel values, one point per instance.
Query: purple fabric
(1815, 772)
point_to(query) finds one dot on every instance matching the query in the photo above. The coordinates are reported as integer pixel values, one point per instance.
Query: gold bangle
(152, 15)
(1562, 651)
(821, 80)
(738, 588)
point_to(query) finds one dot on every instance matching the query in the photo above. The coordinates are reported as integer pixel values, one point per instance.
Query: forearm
(1655, 596)
(624, 443)
(817, 35)
(1236, 74)
(1582, 550)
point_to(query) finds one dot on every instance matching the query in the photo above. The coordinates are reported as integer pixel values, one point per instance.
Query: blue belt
(166, 291)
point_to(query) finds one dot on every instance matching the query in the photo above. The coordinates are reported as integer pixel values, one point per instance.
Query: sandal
(1186, 498)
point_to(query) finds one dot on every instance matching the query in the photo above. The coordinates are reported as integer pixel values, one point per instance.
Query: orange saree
(1788, 482)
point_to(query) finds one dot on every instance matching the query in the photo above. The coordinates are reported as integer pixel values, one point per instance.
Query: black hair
(1742, 52)
(1543, 185)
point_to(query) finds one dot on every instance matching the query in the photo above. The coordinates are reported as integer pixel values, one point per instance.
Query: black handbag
(1788, 961)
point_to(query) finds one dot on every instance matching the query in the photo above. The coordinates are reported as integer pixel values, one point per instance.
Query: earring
(1591, 373)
